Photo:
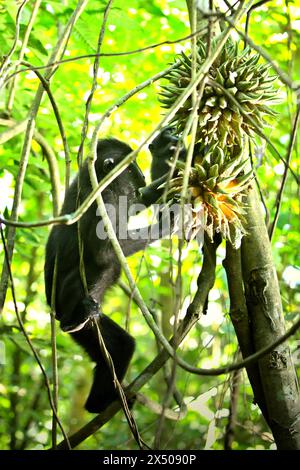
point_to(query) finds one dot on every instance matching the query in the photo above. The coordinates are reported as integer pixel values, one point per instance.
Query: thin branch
(254, 7)
(246, 362)
(107, 54)
(285, 174)
(158, 409)
(50, 156)
(6, 59)
(13, 85)
(54, 355)
(262, 198)
(89, 101)
(46, 85)
(14, 129)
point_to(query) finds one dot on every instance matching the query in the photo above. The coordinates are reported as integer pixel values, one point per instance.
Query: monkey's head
(110, 152)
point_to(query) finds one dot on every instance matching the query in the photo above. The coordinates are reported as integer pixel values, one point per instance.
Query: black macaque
(75, 308)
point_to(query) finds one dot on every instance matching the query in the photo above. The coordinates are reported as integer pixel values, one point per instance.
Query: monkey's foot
(83, 314)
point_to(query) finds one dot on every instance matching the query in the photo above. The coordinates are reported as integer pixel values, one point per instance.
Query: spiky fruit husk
(220, 119)
(217, 182)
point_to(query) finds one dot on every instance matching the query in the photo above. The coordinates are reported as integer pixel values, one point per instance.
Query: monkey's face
(110, 152)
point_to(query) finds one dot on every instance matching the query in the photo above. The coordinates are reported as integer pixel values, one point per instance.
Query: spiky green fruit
(217, 181)
(240, 76)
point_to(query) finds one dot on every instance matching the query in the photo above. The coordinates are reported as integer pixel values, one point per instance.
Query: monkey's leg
(120, 346)
(73, 306)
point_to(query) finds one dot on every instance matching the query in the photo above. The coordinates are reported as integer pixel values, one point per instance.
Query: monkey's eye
(108, 165)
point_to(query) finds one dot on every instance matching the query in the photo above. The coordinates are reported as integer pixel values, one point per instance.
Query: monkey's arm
(150, 194)
(163, 149)
(138, 240)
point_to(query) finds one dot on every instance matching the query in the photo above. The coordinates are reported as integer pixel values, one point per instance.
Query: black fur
(163, 149)
(73, 306)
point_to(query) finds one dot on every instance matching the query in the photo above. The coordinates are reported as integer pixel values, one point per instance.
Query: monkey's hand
(84, 312)
(163, 149)
(166, 141)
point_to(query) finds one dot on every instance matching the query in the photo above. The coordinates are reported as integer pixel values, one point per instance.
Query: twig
(53, 170)
(107, 54)
(94, 84)
(158, 409)
(246, 362)
(267, 213)
(108, 359)
(285, 174)
(256, 5)
(17, 356)
(14, 129)
(6, 59)
(54, 355)
(13, 85)
(46, 84)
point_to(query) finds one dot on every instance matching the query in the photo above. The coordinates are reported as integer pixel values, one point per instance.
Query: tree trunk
(277, 371)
